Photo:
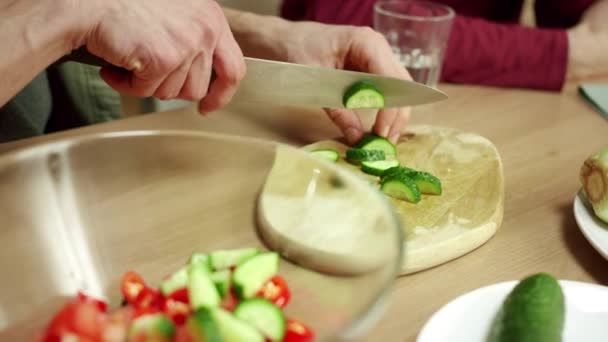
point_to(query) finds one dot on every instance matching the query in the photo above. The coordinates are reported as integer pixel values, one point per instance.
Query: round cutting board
(470, 210)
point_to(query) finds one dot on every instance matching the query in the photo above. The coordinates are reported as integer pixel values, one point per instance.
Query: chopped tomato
(145, 311)
(298, 332)
(101, 305)
(180, 295)
(230, 301)
(182, 334)
(176, 310)
(276, 291)
(81, 319)
(148, 298)
(131, 285)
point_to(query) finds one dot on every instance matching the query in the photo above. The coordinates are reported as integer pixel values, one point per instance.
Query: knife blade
(309, 86)
(290, 84)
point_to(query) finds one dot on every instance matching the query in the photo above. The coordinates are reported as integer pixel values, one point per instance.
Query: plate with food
(591, 203)
(445, 185)
(537, 308)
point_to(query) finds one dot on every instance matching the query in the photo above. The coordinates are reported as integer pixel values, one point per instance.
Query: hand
(352, 48)
(588, 44)
(170, 49)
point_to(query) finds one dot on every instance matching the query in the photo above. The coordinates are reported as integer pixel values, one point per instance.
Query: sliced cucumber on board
(401, 187)
(357, 155)
(376, 142)
(378, 167)
(327, 154)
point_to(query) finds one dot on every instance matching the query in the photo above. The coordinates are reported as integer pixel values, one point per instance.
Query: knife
(307, 86)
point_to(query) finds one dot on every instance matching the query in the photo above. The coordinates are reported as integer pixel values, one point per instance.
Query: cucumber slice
(201, 290)
(150, 327)
(221, 279)
(233, 329)
(398, 170)
(250, 276)
(176, 281)
(378, 167)
(376, 142)
(200, 258)
(264, 316)
(223, 259)
(357, 155)
(327, 154)
(202, 327)
(427, 183)
(363, 94)
(401, 187)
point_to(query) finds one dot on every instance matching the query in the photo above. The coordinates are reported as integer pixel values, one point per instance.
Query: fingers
(171, 87)
(401, 121)
(197, 81)
(375, 55)
(348, 122)
(229, 67)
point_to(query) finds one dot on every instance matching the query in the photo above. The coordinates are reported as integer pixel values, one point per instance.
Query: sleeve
(487, 53)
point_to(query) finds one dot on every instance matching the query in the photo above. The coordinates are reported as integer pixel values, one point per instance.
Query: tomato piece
(183, 335)
(148, 298)
(276, 291)
(144, 311)
(100, 304)
(180, 295)
(230, 301)
(298, 332)
(82, 319)
(177, 311)
(131, 285)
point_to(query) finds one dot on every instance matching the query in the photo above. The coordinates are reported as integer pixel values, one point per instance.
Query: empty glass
(418, 32)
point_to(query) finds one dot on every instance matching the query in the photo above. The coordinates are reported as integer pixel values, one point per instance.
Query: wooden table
(543, 138)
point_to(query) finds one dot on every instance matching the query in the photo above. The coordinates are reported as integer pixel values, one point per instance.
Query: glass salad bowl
(79, 213)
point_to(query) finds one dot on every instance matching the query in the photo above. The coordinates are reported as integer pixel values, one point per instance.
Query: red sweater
(486, 45)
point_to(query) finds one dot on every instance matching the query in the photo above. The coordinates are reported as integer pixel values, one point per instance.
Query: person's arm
(33, 34)
(166, 49)
(589, 44)
(333, 46)
(487, 53)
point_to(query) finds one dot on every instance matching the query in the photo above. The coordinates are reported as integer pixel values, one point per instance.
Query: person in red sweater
(488, 47)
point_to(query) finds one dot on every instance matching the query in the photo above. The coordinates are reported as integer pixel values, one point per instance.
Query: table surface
(543, 139)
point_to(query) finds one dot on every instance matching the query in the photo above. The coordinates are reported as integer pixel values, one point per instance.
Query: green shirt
(64, 96)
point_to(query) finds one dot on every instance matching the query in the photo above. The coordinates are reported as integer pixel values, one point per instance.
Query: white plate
(593, 228)
(468, 318)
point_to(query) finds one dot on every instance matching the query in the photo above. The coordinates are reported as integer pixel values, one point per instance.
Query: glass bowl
(78, 213)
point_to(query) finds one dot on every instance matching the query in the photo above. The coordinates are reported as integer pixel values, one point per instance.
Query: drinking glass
(418, 32)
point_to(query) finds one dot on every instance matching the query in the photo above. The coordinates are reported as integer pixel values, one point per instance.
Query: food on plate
(594, 178)
(533, 311)
(363, 94)
(226, 295)
(326, 153)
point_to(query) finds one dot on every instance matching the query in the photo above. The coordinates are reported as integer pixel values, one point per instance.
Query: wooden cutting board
(470, 210)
